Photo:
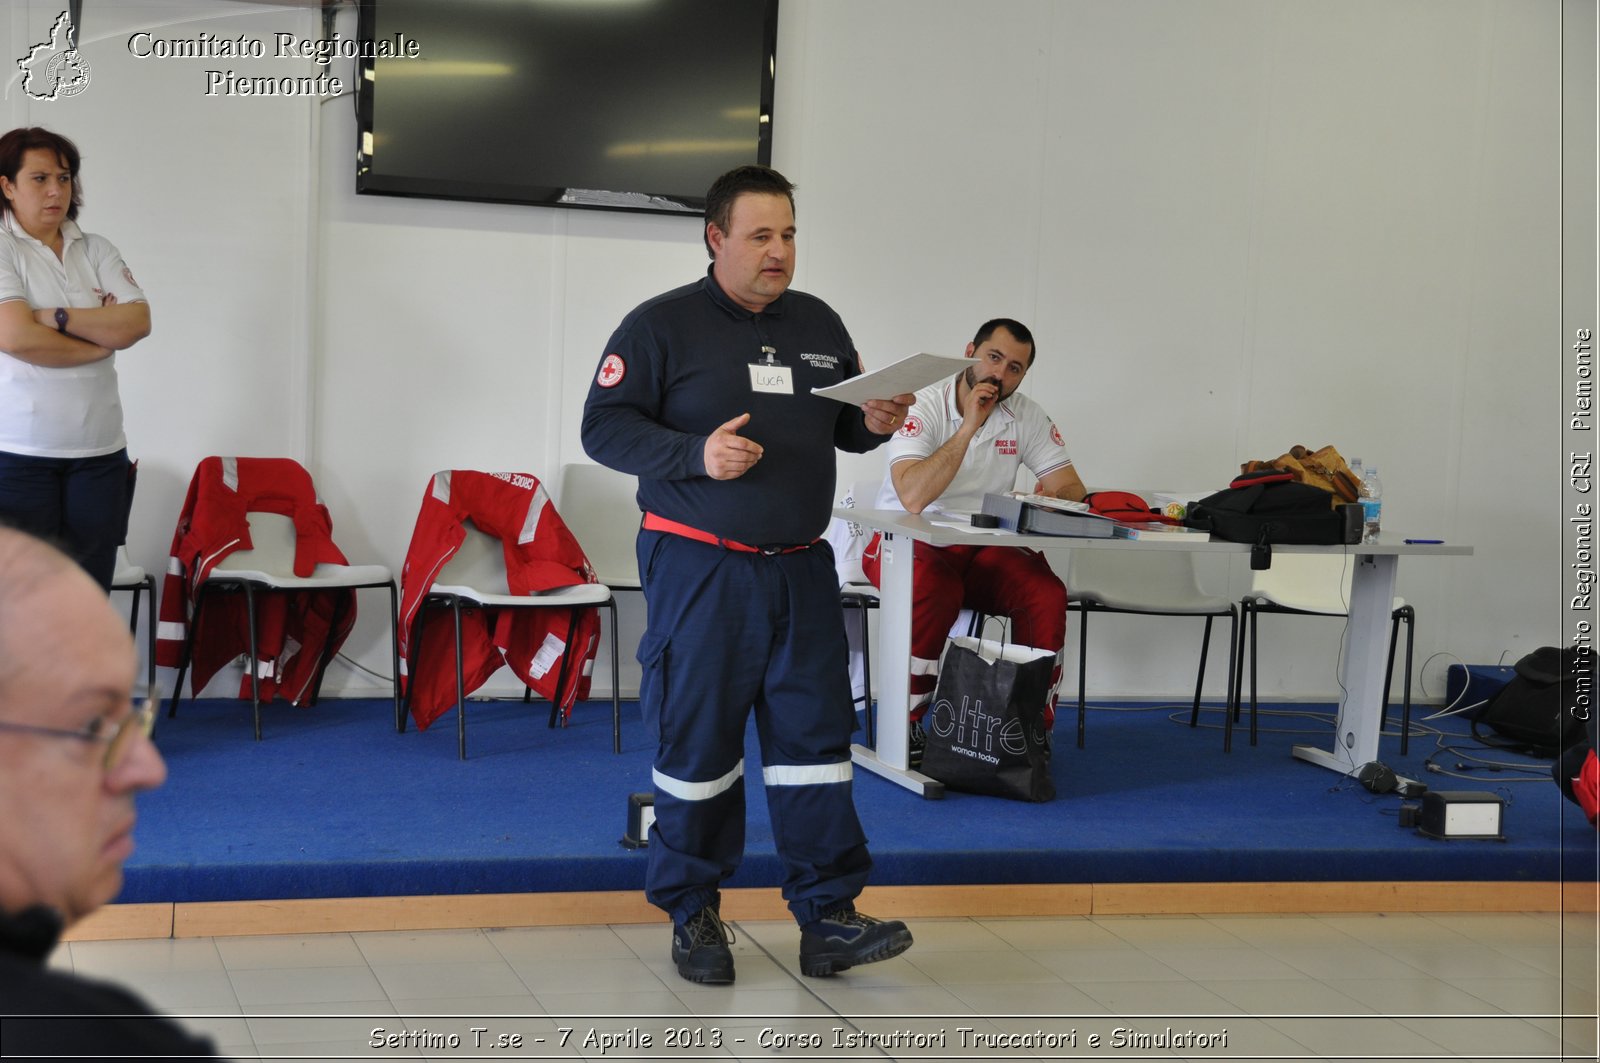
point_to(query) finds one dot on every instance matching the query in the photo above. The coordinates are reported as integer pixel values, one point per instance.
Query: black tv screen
(611, 104)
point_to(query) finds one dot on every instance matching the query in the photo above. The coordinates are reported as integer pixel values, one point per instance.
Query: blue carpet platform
(333, 803)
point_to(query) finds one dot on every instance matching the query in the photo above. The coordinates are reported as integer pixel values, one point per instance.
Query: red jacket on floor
(293, 630)
(540, 554)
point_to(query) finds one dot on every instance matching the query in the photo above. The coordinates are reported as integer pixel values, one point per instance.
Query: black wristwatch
(61, 319)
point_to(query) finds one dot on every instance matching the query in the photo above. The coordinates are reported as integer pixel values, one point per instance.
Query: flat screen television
(608, 104)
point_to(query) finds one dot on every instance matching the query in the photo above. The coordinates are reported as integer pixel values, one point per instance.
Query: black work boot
(700, 948)
(848, 938)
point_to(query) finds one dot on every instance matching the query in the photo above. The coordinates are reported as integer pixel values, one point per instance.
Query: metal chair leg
(868, 712)
(394, 646)
(1083, 657)
(616, 683)
(254, 663)
(343, 599)
(1236, 669)
(139, 590)
(1230, 702)
(461, 696)
(561, 675)
(188, 649)
(1255, 624)
(416, 656)
(1200, 679)
(1402, 615)
(1410, 618)
(150, 635)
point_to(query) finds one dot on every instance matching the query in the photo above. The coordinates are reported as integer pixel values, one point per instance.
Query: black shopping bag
(986, 726)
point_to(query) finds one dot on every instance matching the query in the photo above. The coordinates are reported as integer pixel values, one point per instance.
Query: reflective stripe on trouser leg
(804, 720)
(719, 639)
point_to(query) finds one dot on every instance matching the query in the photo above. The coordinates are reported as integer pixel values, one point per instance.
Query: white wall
(1234, 225)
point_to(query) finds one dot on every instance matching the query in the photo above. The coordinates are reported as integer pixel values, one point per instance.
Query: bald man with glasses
(74, 752)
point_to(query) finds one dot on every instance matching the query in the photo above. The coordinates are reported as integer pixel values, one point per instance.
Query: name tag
(772, 379)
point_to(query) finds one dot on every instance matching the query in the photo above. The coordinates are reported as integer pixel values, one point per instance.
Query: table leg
(1359, 724)
(891, 757)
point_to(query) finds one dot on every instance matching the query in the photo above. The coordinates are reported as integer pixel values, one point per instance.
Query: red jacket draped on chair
(541, 554)
(294, 629)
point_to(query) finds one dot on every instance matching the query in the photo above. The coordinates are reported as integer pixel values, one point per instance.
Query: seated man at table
(965, 437)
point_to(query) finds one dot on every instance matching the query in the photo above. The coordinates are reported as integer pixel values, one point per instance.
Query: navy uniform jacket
(97, 1020)
(678, 367)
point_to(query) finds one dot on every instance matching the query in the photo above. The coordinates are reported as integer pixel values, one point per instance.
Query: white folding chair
(856, 592)
(599, 508)
(1316, 585)
(1151, 583)
(476, 577)
(268, 568)
(134, 579)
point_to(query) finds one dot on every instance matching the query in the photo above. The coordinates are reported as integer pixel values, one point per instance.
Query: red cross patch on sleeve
(612, 370)
(1055, 436)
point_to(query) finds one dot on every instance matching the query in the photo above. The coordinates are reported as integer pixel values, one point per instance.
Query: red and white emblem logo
(612, 370)
(1055, 436)
(912, 427)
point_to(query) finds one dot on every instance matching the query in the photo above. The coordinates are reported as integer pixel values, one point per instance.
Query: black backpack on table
(1270, 506)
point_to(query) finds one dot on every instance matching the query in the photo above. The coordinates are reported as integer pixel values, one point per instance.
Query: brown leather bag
(1324, 468)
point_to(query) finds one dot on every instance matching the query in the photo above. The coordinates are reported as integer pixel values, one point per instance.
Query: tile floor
(1368, 986)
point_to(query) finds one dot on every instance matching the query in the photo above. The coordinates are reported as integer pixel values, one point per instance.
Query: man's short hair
(1017, 329)
(762, 180)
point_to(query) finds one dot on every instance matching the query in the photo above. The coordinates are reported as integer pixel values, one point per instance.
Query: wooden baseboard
(352, 914)
(116, 922)
(1217, 898)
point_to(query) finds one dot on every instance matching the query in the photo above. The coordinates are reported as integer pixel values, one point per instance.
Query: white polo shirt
(1017, 433)
(71, 412)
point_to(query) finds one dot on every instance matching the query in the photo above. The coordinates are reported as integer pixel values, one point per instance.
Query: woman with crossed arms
(68, 303)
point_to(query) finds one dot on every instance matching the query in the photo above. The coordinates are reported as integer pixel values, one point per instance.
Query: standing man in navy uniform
(704, 394)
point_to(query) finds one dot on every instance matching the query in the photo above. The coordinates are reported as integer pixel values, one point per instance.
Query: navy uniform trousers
(728, 632)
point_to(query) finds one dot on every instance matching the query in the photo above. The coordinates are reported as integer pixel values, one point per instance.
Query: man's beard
(971, 374)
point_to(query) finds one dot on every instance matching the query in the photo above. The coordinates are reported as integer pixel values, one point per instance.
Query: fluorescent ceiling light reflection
(443, 68)
(679, 147)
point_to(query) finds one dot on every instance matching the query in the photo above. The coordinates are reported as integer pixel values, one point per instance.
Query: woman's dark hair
(17, 143)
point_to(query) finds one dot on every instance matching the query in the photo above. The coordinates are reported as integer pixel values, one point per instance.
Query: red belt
(662, 524)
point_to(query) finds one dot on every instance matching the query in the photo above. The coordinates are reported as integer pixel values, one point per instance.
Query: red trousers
(994, 580)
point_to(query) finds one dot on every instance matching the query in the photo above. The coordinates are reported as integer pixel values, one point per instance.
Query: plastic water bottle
(1371, 504)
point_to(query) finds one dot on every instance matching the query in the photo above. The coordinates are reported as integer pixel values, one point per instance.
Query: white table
(1360, 717)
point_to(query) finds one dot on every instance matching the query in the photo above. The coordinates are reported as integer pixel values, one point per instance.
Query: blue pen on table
(1424, 542)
